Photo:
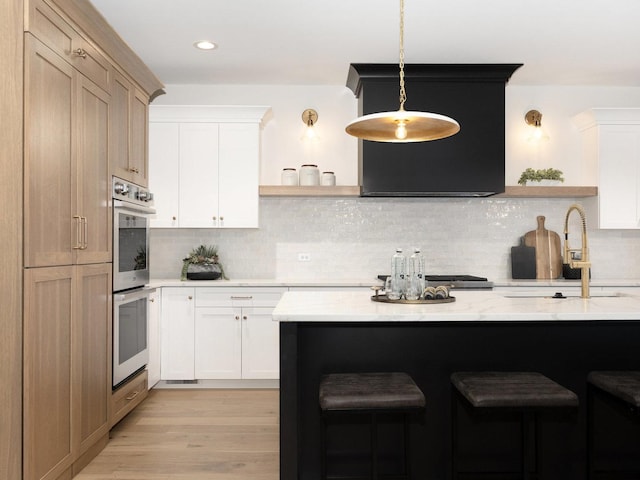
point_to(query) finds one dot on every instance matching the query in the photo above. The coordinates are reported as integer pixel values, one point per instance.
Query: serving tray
(384, 299)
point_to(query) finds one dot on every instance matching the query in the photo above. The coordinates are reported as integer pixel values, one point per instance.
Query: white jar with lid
(289, 176)
(328, 179)
(309, 175)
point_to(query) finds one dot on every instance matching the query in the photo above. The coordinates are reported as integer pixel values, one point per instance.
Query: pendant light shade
(403, 126)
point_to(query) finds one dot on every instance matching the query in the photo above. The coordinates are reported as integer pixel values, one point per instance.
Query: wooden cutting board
(548, 252)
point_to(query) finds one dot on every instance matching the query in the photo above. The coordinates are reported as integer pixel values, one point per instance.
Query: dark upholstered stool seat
(624, 385)
(372, 394)
(527, 393)
(512, 390)
(613, 399)
(369, 391)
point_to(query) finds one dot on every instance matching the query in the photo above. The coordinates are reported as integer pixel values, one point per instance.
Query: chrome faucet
(584, 264)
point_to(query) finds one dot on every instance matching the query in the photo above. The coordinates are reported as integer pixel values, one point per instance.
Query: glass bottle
(415, 275)
(398, 273)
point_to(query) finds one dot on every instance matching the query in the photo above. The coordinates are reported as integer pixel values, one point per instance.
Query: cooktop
(453, 281)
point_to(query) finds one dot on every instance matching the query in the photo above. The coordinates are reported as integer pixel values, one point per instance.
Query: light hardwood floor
(194, 434)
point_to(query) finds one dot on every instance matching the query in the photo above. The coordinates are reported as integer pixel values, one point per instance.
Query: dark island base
(430, 352)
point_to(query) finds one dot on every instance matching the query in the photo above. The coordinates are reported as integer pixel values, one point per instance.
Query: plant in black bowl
(202, 264)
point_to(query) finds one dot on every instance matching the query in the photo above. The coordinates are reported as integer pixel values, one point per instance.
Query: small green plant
(531, 175)
(202, 255)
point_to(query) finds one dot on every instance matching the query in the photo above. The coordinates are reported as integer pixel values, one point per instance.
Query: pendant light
(403, 126)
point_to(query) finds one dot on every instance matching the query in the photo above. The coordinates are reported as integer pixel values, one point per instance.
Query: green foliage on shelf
(531, 175)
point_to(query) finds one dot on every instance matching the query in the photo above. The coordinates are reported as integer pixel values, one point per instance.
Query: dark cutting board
(547, 245)
(523, 261)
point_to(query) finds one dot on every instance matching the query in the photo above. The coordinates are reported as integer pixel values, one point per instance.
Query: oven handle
(124, 297)
(133, 207)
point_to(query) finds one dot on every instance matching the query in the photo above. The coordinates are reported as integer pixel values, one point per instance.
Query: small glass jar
(328, 179)
(309, 175)
(289, 176)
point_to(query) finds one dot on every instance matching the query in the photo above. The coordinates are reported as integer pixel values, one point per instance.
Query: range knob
(120, 188)
(143, 196)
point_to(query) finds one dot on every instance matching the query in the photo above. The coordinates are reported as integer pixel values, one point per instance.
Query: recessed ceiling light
(205, 45)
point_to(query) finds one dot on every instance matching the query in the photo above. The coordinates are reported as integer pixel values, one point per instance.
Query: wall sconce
(310, 117)
(533, 118)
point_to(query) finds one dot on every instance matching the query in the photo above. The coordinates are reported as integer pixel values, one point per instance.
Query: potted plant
(545, 176)
(202, 264)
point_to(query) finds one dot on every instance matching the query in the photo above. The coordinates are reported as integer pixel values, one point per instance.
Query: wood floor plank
(194, 434)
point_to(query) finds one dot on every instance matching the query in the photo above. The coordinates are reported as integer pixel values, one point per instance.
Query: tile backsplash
(353, 238)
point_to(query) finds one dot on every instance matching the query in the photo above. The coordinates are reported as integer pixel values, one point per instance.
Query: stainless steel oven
(132, 206)
(130, 333)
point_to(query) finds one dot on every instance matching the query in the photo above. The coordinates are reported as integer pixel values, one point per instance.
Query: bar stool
(527, 393)
(621, 389)
(371, 394)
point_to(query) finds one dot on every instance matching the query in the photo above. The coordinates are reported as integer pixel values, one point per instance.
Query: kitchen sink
(560, 295)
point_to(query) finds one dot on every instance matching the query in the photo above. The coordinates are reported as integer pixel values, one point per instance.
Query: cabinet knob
(79, 52)
(244, 317)
(173, 218)
(222, 219)
(152, 299)
(237, 317)
(190, 297)
(214, 218)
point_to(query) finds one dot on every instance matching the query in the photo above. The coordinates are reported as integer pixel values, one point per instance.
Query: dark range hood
(468, 164)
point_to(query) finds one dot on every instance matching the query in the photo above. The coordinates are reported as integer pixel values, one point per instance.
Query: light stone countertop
(470, 305)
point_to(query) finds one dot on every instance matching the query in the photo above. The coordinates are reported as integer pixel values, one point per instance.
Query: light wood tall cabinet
(71, 59)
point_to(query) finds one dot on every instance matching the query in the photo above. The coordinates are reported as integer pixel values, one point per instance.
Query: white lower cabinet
(153, 314)
(220, 333)
(177, 333)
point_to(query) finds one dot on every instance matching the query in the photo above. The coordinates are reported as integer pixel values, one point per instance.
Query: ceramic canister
(309, 175)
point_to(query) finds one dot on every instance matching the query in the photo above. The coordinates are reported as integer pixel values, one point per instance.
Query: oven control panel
(130, 192)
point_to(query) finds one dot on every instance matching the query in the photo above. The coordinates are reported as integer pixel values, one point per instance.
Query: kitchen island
(323, 332)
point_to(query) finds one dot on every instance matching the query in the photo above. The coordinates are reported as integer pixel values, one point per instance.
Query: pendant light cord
(403, 93)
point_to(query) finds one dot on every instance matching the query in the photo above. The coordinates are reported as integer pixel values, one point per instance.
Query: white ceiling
(312, 42)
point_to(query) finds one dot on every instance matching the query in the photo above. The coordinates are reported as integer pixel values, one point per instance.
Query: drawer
(52, 30)
(127, 397)
(238, 297)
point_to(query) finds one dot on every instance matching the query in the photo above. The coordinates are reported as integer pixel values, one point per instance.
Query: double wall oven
(132, 207)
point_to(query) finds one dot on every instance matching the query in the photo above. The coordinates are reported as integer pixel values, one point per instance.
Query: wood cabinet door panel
(94, 194)
(48, 378)
(93, 334)
(139, 137)
(120, 126)
(50, 231)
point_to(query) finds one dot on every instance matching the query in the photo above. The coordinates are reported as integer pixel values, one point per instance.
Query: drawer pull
(79, 52)
(246, 297)
(132, 396)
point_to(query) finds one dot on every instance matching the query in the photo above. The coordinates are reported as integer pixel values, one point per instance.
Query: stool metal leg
(323, 447)
(407, 447)
(454, 435)
(374, 446)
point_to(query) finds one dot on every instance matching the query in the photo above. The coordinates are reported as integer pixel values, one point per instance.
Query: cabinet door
(198, 179)
(49, 230)
(94, 192)
(619, 183)
(218, 343)
(49, 314)
(260, 344)
(177, 334)
(164, 155)
(92, 362)
(239, 175)
(139, 137)
(153, 312)
(120, 120)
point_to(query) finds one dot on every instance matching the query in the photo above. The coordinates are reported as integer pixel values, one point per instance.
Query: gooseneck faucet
(568, 258)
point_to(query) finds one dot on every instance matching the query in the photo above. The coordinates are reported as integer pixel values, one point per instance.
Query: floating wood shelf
(515, 191)
(550, 192)
(315, 191)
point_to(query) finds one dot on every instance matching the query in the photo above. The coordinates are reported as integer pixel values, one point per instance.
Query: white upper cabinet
(611, 145)
(204, 165)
